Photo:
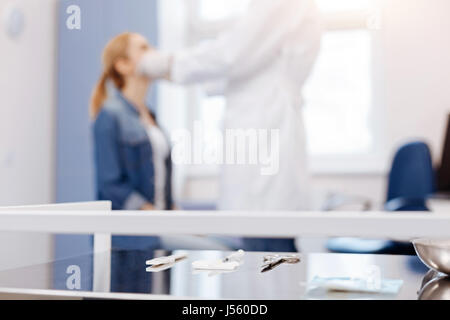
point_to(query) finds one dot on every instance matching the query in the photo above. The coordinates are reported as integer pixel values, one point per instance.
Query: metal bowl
(435, 254)
(436, 288)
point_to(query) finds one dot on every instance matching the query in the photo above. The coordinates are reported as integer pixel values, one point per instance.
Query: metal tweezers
(273, 261)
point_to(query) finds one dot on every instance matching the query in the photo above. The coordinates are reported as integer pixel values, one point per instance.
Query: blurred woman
(132, 154)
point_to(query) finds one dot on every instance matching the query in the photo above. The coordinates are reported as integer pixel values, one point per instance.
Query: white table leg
(102, 263)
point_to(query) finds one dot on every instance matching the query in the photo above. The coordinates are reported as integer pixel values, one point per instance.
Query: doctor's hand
(155, 65)
(148, 207)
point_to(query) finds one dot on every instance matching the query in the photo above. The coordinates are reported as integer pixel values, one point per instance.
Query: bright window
(338, 96)
(330, 6)
(213, 10)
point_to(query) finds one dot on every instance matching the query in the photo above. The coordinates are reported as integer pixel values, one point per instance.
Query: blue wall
(79, 67)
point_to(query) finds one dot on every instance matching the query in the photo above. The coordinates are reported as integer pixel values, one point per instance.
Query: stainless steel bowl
(436, 288)
(435, 254)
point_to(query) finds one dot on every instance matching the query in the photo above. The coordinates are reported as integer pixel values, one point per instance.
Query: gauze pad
(155, 65)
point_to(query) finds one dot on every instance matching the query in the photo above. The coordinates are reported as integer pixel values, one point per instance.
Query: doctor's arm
(253, 41)
(251, 44)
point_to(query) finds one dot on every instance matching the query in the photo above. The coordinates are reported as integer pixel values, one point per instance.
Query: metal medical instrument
(164, 263)
(273, 261)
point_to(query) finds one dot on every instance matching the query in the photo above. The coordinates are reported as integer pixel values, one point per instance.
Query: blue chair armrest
(406, 204)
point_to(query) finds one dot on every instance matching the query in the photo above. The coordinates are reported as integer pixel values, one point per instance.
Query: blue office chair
(412, 179)
(411, 182)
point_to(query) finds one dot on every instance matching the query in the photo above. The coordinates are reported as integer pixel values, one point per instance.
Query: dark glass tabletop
(127, 274)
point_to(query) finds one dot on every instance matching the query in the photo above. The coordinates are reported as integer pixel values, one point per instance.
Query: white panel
(27, 108)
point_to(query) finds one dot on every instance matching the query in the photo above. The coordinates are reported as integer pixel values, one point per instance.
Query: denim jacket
(123, 158)
(123, 153)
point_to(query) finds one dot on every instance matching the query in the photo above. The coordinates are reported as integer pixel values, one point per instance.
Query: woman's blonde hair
(114, 50)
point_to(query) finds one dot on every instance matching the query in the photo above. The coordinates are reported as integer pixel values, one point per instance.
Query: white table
(252, 224)
(102, 224)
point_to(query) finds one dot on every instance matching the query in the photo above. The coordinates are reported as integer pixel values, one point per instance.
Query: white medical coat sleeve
(254, 40)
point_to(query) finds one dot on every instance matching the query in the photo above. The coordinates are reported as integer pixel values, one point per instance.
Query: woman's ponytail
(114, 50)
(99, 96)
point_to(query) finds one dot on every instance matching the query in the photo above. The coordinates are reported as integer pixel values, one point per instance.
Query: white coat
(265, 60)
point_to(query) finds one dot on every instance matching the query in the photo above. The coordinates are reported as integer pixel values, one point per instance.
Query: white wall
(27, 113)
(416, 46)
(27, 107)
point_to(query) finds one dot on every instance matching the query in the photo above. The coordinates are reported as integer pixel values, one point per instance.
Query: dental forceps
(164, 263)
(273, 261)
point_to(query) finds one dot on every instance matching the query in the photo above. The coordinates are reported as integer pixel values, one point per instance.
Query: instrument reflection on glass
(435, 286)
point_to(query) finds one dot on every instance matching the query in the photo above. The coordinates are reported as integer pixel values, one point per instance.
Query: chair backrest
(412, 174)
